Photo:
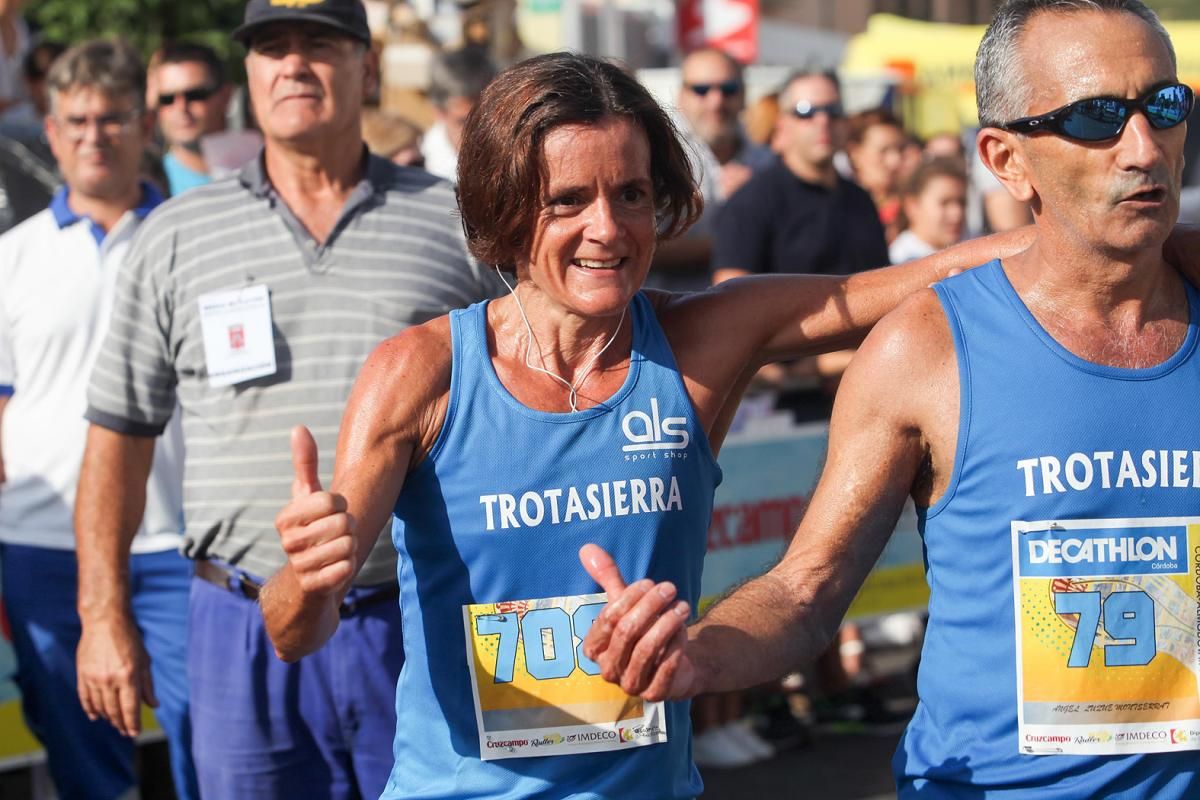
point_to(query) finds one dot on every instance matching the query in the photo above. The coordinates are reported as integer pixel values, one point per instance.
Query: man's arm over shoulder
(392, 419)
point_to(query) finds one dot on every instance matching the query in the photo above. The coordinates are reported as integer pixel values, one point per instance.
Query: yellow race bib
(537, 694)
(1108, 635)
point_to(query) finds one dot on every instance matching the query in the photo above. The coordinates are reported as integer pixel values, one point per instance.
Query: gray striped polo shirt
(396, 257)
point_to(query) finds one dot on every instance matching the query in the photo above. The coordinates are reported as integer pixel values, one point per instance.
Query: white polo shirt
(57, 276)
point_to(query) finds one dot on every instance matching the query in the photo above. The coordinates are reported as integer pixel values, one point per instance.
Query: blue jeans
(322, 727)
(91, 759)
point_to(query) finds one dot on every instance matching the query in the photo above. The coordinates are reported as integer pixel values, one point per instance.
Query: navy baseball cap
(347, 16)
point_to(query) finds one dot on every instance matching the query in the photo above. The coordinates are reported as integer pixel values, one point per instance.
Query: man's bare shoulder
(907, 362)
(914, 331)
(899, 399)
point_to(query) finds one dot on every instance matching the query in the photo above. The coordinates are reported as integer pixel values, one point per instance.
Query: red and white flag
(729, 25)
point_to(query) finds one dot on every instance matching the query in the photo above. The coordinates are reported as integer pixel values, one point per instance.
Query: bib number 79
(548, 639)
(1128, 617)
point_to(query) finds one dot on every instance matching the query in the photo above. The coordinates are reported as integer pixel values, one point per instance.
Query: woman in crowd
(875, 145)
(934, 210)
(577, 409)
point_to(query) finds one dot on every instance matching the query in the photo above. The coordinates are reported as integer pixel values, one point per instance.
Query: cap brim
(243, 33)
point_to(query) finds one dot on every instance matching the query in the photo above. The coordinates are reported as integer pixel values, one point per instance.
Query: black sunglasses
(727, 88)
(806, 110)
(188, 95)
(1098, 119)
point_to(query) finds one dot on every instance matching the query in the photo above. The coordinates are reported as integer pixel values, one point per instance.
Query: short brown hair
(924, 174)
(863, 121)
(110, 65)
(501, 166)
(194, 52)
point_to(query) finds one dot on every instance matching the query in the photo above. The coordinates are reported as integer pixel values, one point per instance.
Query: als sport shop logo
(652, 432)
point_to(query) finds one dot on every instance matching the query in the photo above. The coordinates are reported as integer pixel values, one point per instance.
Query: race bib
(537, 694)
(1107, 635)
(239, 342)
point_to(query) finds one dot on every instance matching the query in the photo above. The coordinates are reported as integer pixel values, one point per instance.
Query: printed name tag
(1108, 635)
(239, 344)
(537, 694)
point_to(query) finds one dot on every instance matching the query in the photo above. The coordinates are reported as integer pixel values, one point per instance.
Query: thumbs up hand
(640, 638)
(304, 463)
(315, 528)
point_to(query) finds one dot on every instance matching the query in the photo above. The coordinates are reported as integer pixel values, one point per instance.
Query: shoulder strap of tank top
(468, 337)
(650, 342)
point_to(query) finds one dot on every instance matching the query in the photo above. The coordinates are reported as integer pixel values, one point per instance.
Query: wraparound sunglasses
(1098, 119)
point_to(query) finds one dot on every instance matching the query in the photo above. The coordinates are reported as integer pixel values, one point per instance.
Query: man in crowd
(458, 78)
(711, 100)
(799, 215)
(1040, 412)
(58, 271)
(193, 101)
(253, 302)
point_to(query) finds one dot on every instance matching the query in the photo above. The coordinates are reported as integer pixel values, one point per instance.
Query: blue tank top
(1042, 436)
(498, 511)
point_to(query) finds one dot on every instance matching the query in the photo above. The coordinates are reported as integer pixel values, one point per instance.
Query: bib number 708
(1128, 618)
(548, 636)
